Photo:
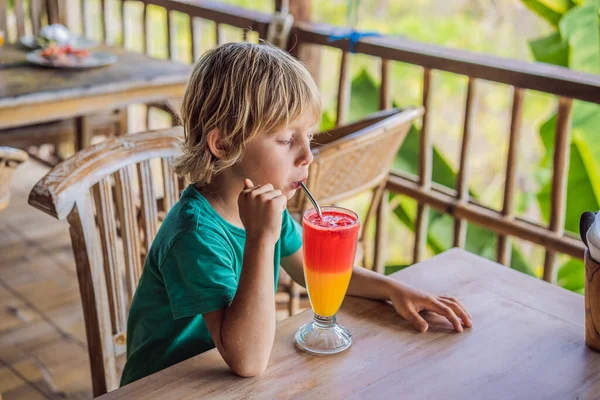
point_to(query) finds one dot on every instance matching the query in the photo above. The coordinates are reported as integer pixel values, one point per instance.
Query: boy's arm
(407, 301)
(293, 265)
(244, 332)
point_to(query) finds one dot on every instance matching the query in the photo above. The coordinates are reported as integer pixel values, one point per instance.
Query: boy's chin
(290, 193)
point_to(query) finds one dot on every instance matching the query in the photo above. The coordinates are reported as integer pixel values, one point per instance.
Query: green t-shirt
(193, 267)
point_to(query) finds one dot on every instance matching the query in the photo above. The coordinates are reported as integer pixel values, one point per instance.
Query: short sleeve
(199, 275)
(291, 235)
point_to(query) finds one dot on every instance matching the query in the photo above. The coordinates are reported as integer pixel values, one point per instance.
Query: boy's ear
(215, 145)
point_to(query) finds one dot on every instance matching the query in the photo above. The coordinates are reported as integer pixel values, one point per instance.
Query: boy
(209, 280)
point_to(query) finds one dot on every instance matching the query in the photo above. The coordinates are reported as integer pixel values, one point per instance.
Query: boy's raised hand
(261, 209)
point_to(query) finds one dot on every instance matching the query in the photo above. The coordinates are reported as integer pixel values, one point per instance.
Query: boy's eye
(285, 142)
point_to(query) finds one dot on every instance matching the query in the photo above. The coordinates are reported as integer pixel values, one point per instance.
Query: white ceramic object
(57, 33)
(593, 238)
(60, 35)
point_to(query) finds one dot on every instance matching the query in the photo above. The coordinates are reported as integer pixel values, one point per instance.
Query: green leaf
(550, 49)
(327, 121)
(407, 160)
(550, 10)
(390, 269)
(571, 275)
(580, 27)
(365, 96)
(407, 214)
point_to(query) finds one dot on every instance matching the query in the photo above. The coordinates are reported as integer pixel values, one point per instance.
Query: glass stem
(324, 322)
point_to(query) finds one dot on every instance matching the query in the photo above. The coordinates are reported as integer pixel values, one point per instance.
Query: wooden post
(462, 183)
(310, 55)
(503, 248)
(560, 175)
(425, 171)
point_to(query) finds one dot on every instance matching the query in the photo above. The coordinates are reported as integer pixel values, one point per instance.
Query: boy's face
(280, 158)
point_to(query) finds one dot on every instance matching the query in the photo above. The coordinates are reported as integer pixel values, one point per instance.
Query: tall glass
(329, 246)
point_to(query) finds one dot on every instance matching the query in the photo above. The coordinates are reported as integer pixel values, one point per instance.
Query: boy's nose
(306, 157)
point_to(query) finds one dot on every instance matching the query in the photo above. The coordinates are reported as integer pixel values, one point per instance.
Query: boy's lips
(296, 184)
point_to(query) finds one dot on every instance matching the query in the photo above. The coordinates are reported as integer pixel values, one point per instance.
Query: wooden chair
(347, 161)
(79, 130)
(10, 159)
(96, 191)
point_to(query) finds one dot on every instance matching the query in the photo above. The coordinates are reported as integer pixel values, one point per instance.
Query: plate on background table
(71, 60)
(31, 42)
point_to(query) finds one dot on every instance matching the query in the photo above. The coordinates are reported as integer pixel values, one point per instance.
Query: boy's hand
(408, 302)
(261, 209)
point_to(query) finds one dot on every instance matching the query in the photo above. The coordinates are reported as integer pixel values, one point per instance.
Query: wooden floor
(43, 351)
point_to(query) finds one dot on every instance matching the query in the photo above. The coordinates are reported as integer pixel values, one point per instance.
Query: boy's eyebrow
(309, 132)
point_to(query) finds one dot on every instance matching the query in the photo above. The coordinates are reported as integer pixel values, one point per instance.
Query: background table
(527, 342)
(31, 94)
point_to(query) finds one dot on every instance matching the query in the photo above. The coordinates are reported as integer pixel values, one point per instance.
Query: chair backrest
(29, 17)
(10, 158)
(355, 158)
(109, 193)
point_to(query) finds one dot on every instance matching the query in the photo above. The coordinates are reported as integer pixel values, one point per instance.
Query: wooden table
(31, 94)
(527, 342)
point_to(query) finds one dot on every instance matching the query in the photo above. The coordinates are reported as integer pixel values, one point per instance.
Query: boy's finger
(455, 300)
(248, 184)
(284, 202)
(417, 321)
(447, 312)
(458, 310)
(459, 304)
(261, 189)
(271, 194)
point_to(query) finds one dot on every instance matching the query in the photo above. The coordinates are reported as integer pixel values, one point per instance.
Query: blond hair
(242, 89)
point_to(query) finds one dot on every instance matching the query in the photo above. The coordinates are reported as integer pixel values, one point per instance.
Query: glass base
(323, 336)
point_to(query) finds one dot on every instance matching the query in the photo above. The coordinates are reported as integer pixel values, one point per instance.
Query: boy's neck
(222, 194)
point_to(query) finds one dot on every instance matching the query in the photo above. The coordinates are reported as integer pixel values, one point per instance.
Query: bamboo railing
(522, 76)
